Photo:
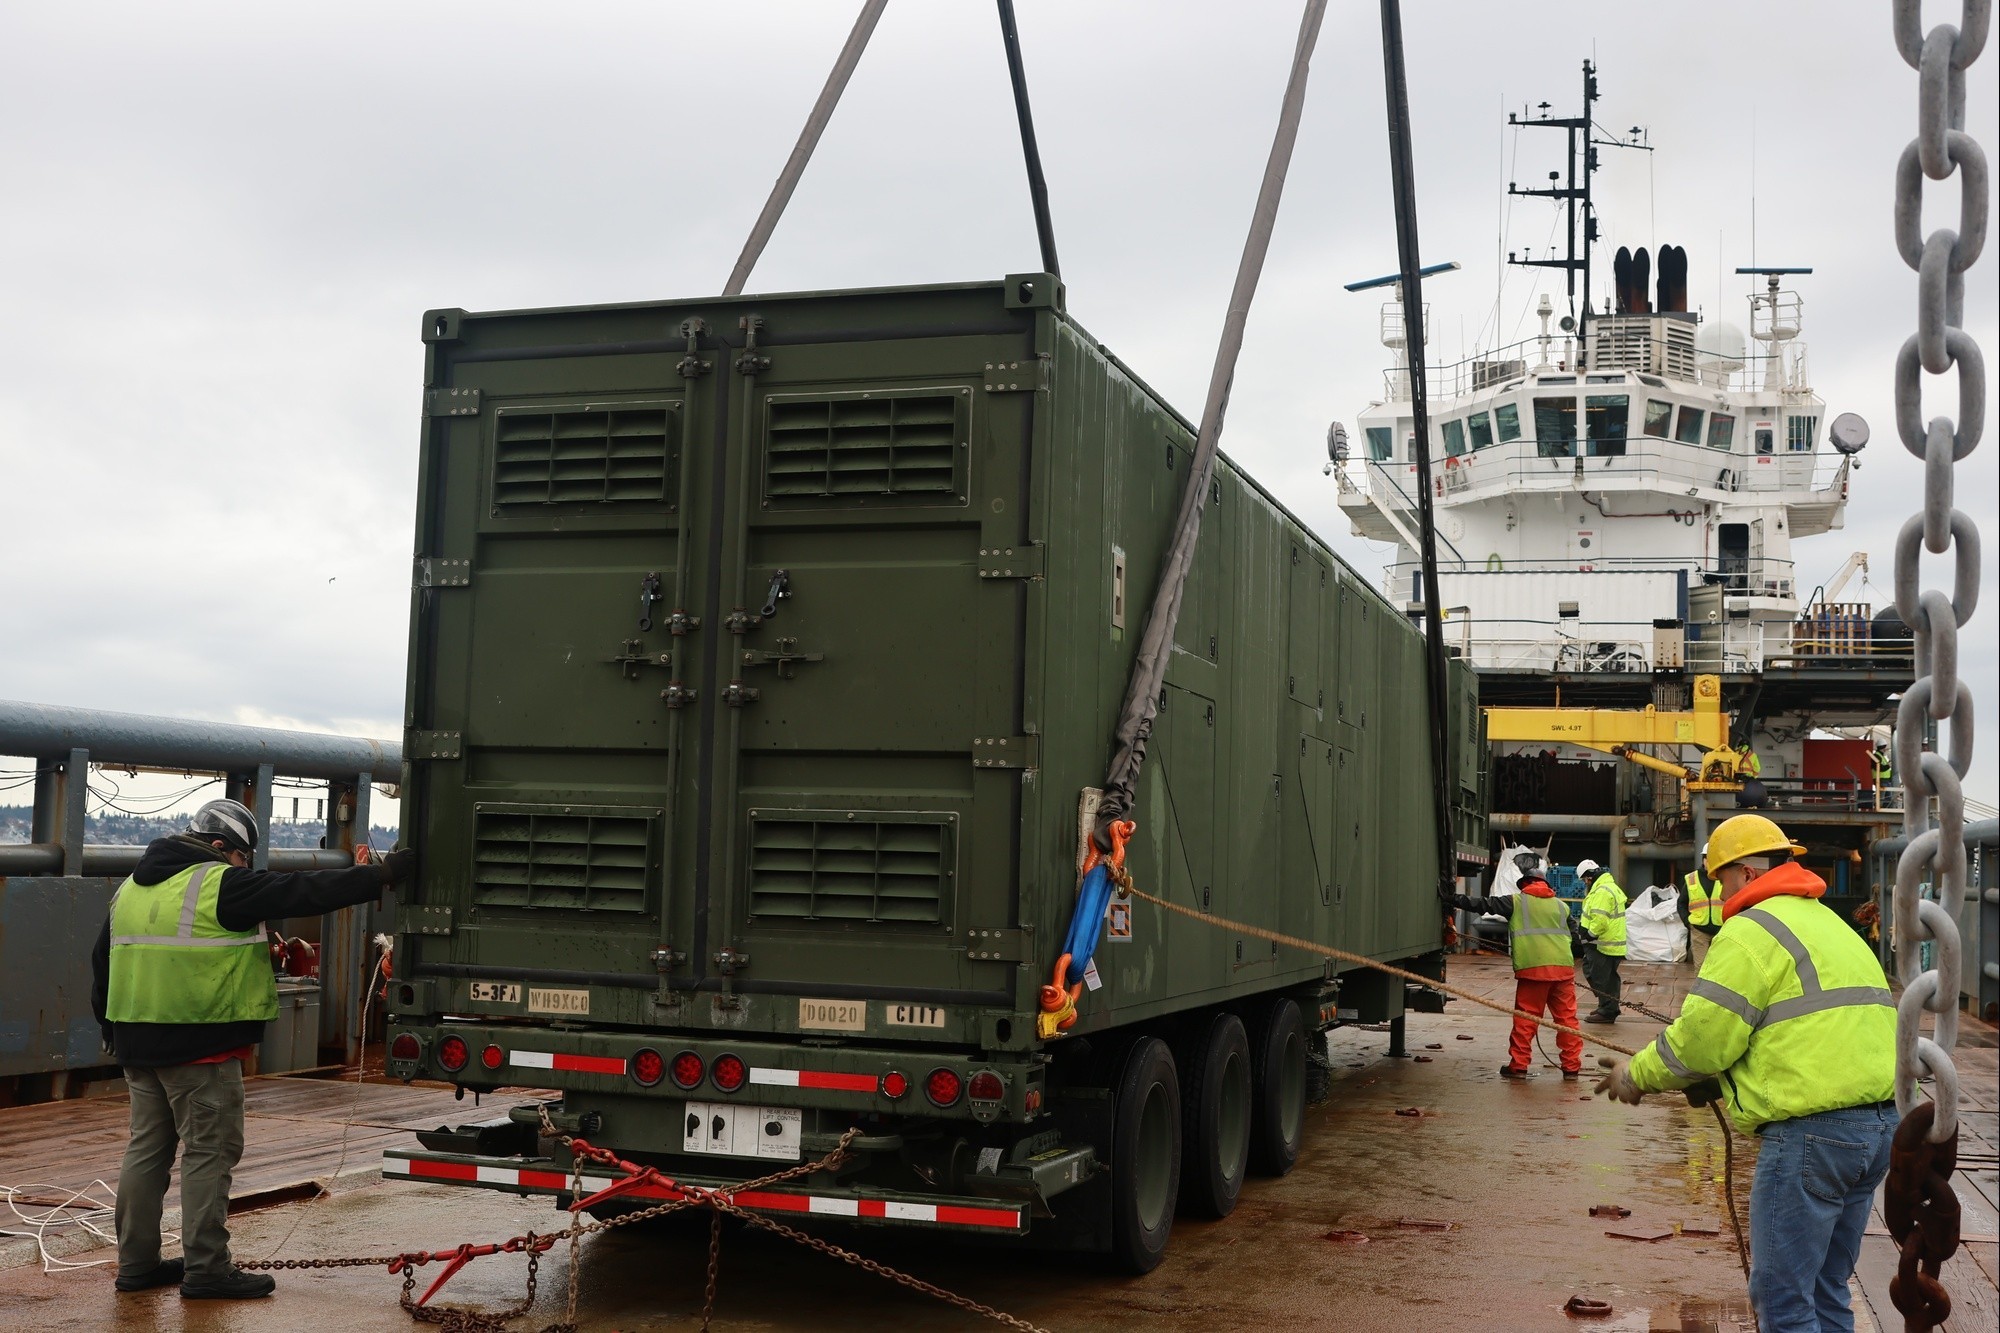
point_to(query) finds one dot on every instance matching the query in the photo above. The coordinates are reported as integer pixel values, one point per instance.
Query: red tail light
(405, 1047)
(493, 1057)
(894, 1085)
(453, 1053)
(729, 1072)
(647, 1068)
(688, 1070)
(942, 1087)
(986, 1086)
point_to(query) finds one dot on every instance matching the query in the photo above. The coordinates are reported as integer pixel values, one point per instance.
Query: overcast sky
(221, 224)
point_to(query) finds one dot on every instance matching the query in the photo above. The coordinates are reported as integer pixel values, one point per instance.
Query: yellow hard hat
(1746, 835)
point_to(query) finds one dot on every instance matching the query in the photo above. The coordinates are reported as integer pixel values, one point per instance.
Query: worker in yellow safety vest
(1791, 1025)
(1701, 902)
(1602, 918)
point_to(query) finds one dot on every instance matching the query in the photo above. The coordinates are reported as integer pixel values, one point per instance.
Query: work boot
(1570, 1075)
(166, 1273)
(1508, 1071)
(1600, 1018)
(235, 1285)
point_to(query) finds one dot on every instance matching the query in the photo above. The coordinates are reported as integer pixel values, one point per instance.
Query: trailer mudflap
(543, 1175)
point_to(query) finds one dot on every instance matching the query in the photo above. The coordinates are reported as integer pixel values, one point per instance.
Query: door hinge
(419, 920)
(1012, 562)
(997, 945)
(431, 745)
(1017, 376)
(451, 402)
(691, 366)
(677, 695)
(737, 695)
(432, 572)
(1007, 752)
(731, 961)
(751, 362)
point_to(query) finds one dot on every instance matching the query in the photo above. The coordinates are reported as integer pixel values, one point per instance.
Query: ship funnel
(1673, 286)
(1621, 279)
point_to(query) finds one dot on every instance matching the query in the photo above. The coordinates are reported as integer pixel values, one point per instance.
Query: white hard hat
(1586, 867)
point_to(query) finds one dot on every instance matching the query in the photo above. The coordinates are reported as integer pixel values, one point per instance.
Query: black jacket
(244, 899)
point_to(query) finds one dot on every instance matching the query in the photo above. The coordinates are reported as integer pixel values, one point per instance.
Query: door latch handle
(780, 590)
(785, 658)
(649, 597)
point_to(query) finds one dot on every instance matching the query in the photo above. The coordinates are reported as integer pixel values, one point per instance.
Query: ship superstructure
(1617, 502)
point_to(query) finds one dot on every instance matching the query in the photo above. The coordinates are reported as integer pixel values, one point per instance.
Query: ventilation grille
(849, 866)
(590, 455)
(849, 448)
(563, 857)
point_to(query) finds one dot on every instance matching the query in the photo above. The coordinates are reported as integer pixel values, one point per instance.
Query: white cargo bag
(1654, 931)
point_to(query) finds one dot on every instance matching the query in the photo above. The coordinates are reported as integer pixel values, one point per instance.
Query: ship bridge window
(1607, 418)
(1659, 419)
(1555, 427)
(1687, 427)
(1480, 427)
(1507, 422)
(1800, 433)
(1604, 379)
(1379, 441)
(1454, 438)
(1721, 430)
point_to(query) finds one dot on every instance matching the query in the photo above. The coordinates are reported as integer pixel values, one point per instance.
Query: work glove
(399, 866)
(1703, 1093)
(1617, 1083)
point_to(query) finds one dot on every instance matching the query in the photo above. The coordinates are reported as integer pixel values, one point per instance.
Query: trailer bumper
(543, 1175)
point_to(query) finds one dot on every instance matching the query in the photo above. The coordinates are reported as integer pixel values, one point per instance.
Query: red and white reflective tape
(814, 1078)
(770, 1201)
(575, 1064)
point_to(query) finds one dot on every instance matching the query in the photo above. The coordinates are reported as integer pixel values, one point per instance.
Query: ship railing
(1743, 372)
(1641, 464)
(1740, 575)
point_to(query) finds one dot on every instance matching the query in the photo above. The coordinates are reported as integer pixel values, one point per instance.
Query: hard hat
(231, 821)
(1586, 868)
(1745, 835)
(1528, 863)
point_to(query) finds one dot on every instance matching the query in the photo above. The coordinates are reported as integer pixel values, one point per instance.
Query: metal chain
(1922, 1211)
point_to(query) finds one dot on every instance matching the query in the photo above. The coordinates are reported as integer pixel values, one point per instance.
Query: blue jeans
(1816, 1177)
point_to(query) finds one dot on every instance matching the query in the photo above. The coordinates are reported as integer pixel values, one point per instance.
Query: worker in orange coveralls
(1538, 938)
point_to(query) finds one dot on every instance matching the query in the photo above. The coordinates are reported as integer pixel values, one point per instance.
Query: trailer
(764, 654)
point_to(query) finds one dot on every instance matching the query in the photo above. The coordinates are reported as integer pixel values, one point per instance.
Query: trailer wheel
(1145, 1156)
(1278, 1115)
(1216, 1111)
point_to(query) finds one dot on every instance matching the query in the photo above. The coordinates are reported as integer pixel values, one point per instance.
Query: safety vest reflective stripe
(1538, 932)
(184, 937)
(204, 972)
(1702, 904)
(1717, 993)
(1672, 1061)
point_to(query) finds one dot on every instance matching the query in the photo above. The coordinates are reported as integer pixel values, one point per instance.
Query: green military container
(765, 652)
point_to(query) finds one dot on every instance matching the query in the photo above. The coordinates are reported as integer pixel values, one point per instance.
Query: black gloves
(399, 866)
(1704, 1092)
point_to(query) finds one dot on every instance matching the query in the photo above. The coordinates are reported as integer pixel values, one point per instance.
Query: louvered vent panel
(564, 857)
(855, 449)
(584, 456)
(837, 866)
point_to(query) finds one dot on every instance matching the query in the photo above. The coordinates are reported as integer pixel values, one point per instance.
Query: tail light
(986, 1086)
(688, 1070)
(647, 1068)
(493, 1057)
(729, 1072)
(453, 1053)
(405, 1047)
(942, 1087)
(894, 1085)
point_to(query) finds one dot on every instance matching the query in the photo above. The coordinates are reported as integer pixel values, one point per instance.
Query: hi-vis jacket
(1791, 1009)
(1704, 900)
(1603, 916)
(173, 962)
(1537, 929)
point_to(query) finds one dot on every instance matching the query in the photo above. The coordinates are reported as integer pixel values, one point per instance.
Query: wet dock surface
(1474, 1214)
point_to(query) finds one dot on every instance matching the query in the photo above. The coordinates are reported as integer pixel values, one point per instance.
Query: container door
(868, 770)
(552, 759)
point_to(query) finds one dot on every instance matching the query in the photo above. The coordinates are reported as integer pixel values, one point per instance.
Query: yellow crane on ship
(1619, 731)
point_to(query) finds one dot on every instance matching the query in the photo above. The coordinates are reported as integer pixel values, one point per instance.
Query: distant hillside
(116, 830)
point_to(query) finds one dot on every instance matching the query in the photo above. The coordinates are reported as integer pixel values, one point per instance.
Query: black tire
(1278, 1086)
(1215, 1115)
(1145, 1156)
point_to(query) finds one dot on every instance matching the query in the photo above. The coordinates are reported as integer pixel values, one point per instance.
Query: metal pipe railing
(46, 858)
(48, 731)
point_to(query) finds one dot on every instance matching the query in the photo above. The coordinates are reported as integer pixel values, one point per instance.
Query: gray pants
(198, 1108)
(1600, 972)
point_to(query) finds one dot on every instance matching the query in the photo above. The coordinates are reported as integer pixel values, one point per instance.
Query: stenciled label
(834, 1015)
(916, 1015)
(558, 1001)
(725, 1129)
(496, 992)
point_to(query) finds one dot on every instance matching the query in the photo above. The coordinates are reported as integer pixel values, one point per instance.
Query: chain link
(1920, 1207)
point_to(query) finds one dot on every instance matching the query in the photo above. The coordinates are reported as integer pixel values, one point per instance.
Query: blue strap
(1088, 924)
